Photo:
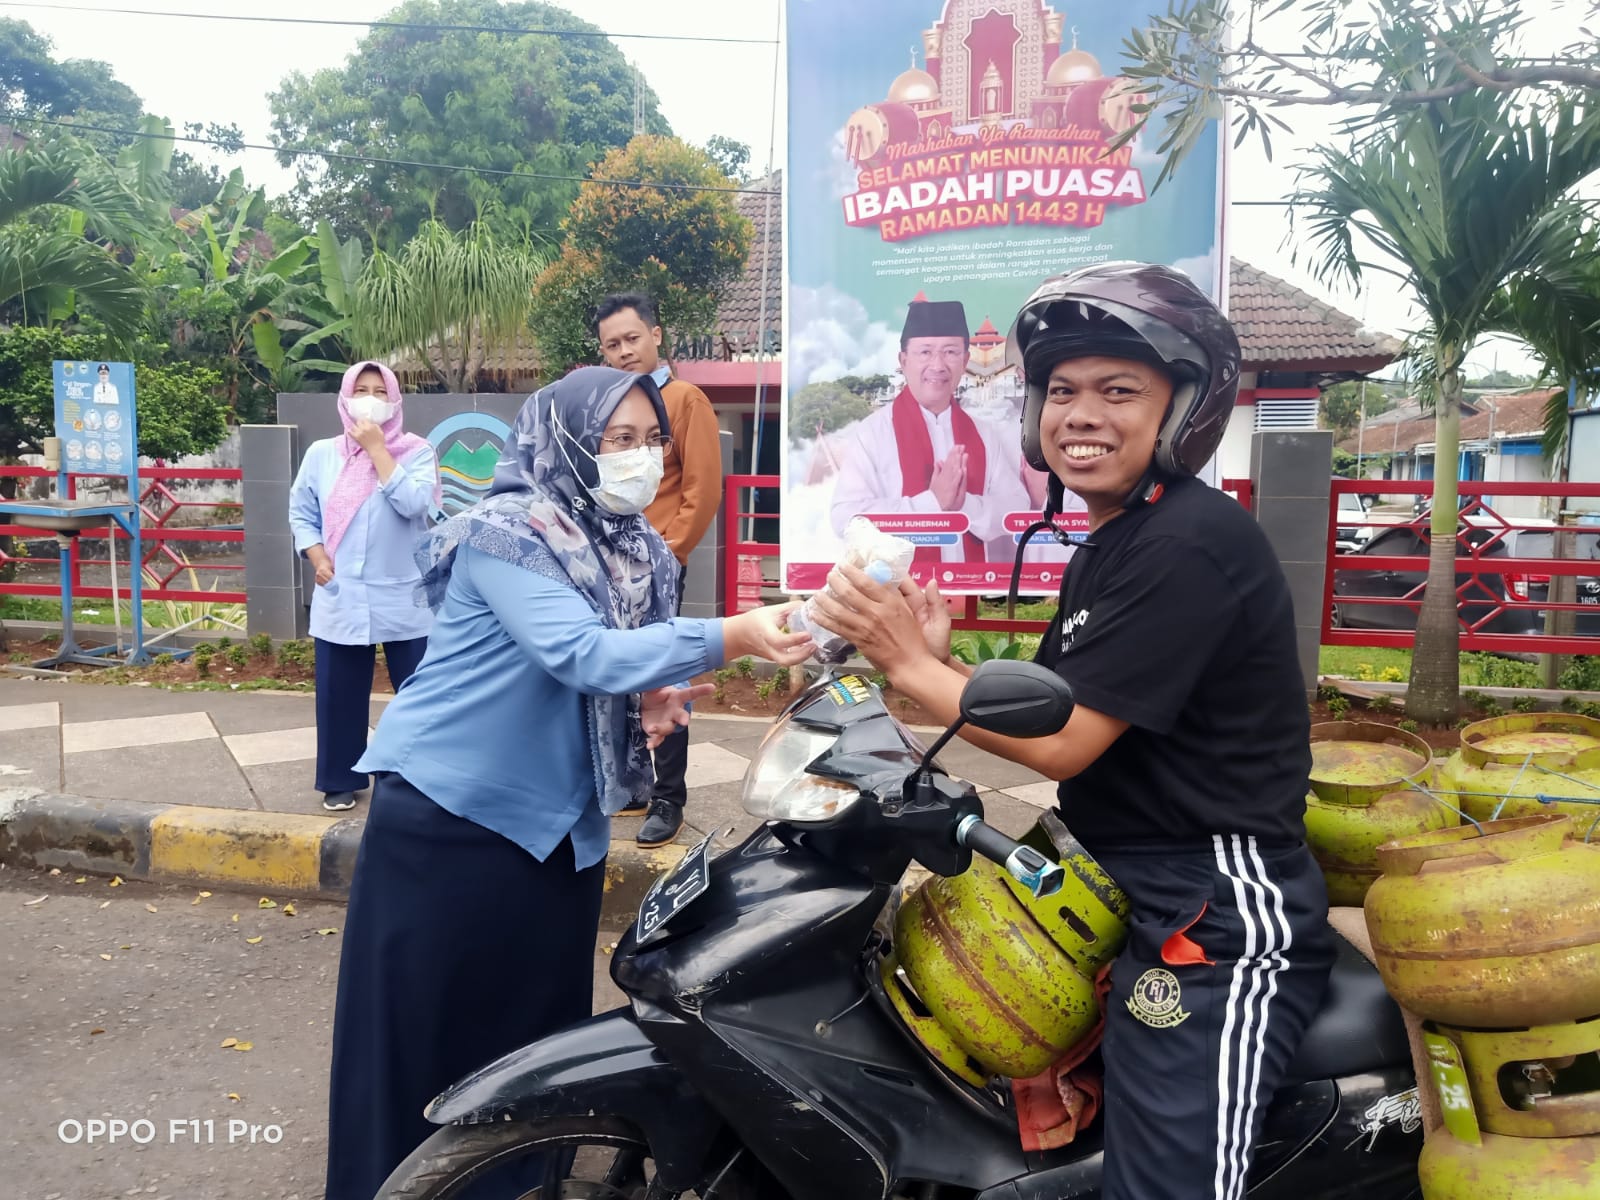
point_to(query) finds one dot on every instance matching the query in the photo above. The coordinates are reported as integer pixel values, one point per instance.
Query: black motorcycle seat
(1358, 1028)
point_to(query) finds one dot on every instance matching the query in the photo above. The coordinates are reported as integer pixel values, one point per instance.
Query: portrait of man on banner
(924, 455)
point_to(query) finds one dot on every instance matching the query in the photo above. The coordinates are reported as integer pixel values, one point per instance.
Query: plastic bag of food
(886, 559)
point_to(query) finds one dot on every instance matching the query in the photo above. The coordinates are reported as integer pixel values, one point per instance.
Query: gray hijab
(539, 516)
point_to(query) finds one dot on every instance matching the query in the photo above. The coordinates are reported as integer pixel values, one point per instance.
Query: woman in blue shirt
(476, 898)
(357, 510)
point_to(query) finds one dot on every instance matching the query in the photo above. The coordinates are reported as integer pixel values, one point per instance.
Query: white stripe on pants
(1255, 974)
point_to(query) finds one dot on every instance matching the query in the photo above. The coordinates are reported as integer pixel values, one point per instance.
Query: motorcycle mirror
(1016, 699)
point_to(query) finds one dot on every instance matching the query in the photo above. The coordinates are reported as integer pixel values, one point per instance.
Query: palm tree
(452, 299)
(1560, 332)
(56, 205)
(1468, 200)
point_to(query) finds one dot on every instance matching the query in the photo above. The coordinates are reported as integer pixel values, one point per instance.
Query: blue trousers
(459, 947)
(344, 703)
(1226, 962)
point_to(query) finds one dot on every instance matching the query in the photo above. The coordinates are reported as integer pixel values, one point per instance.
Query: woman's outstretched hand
(760, 633)
(666, 710)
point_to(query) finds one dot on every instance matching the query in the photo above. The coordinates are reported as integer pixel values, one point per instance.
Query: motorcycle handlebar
(1023, 863)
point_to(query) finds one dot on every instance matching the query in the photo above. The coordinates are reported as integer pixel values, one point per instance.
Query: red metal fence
(750, 565)
(163, 540)
(1506, 569)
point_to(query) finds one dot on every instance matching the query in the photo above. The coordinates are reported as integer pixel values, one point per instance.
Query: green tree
(1502, 380)
(1252, 56)
(869, 387)
(34, 84)
(58, 208)
(225, 291)
(521, 107)
(825, 407)
(195, 184)
(681, 245)
(322, 317)
(1345, 405)
(1408, 202)
(182, 409)
(732, 157)
(454, 299)
(179, 409)
(1560, 336)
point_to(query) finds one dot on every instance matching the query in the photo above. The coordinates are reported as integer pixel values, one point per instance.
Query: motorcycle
(760, 1059)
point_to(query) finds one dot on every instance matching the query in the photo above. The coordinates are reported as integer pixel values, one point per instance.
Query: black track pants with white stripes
(1227, 959)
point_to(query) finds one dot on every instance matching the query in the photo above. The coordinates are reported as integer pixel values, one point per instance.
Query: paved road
(111, 1012)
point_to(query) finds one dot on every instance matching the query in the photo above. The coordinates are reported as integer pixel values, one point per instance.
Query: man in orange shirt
(629, 331)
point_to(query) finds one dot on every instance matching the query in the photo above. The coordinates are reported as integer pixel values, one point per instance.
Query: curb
(233, 848)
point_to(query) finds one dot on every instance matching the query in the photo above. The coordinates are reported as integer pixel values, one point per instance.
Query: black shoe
(339, 801)
(662, 825)
(636, 808)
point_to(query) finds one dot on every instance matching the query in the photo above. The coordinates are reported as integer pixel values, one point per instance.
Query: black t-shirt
(1177, 619)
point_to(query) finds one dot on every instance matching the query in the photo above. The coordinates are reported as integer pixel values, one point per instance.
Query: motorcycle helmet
(1140, 311)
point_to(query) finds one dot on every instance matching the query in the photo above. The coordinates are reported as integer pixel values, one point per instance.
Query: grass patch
(1353, 662)
(1036, 610)
(158, 614)
(1388, 664)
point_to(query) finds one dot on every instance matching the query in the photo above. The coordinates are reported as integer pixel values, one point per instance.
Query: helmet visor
(1075, 329)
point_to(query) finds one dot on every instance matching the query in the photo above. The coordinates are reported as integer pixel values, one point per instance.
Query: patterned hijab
(539, 516)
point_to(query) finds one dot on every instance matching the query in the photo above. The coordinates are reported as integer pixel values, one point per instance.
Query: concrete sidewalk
(215, 788)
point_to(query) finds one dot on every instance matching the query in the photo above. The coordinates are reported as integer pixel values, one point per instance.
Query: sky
(213, 71)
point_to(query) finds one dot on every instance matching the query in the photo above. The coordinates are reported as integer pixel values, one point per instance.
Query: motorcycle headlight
(777, 786)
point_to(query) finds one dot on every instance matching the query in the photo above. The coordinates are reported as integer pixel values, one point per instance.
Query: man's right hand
(949, 482)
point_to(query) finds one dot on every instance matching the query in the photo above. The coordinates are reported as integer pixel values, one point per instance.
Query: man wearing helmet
(1184, 765)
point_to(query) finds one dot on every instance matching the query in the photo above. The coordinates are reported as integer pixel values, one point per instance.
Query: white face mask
(629, 480)
(370, 408)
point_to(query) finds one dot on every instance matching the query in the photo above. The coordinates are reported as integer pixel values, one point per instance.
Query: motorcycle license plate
(676, 890)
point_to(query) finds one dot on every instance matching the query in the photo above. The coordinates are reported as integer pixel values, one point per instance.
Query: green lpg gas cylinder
(1510, 1168)
(1492, 928)
(1345, 838)
(993, 984)
(1506, 763)
(1533, 1083)
(1358, 762)
(1088, 917)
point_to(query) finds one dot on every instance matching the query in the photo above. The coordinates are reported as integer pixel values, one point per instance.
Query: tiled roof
(1282, 328)
(1516, 416)
(1519, 415)
(739, 316)
(1391, 437)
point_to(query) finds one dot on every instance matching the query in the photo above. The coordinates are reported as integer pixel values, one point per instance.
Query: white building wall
(1233, 455)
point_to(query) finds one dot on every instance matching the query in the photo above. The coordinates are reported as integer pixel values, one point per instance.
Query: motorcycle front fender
(604, 1066)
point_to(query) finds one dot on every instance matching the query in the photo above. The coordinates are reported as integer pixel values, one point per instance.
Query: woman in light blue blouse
(357, 509)
(549, 675)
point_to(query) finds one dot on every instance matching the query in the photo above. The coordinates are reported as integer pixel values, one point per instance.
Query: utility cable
(414, 25)
(397, 162)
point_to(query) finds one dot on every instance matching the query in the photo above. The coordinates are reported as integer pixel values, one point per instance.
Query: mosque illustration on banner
(993, 64)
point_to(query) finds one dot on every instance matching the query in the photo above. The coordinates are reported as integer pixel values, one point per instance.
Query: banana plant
(329, 314)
